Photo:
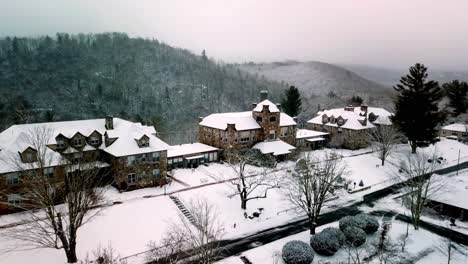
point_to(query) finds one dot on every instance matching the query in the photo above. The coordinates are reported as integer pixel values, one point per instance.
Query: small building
(277, 148)
(453, 202)
(191, 155)
(242, 130)
(458, 130)
(311, 139)
(348, 126)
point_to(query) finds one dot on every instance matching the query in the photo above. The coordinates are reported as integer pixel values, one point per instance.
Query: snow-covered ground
(131, 225)
(418, 241)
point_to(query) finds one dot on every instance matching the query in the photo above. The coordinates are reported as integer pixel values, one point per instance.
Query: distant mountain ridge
(322, 85)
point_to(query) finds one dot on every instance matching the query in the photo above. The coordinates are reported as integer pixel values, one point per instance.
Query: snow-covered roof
(17, 138)
(273, 108)
(315, 139)
(456, 127)
(306, 133)
(241, 120)
(457, 191)
(276, 147)
(354, 118)
(189, 149)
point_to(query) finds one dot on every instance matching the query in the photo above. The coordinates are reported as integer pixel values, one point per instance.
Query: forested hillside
(67, 77)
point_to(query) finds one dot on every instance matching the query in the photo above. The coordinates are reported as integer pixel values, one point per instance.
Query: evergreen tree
(292, 103)
(356, 100)
(416, 106)
(457, 93)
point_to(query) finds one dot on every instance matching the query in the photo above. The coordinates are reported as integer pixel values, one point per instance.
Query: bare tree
(46, 224)
(249, 187)
(311, 183)
(419, 181)
(383, 140)
(197, 238)
(105, 255)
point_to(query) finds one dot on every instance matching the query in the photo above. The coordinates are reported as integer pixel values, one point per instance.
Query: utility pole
(458, 164)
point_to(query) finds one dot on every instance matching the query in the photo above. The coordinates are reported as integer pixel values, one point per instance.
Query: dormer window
(325, 119)
(143, 141)
(29, 155)
(60, 143)
(94, 140)
(77, 141)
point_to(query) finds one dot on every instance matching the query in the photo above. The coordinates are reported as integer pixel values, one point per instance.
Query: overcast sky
(393, 33)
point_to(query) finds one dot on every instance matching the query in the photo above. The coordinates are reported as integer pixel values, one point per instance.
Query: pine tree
(416, 106)
(457, 93)
(292, 103)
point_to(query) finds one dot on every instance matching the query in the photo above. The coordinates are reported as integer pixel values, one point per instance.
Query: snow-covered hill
(323, 84)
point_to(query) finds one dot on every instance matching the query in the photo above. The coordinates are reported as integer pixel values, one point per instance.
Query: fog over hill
(323, 84)
(391, 76)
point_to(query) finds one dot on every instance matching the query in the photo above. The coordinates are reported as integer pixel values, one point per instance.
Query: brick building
(243, 130)
(348, 126)
(132, 154)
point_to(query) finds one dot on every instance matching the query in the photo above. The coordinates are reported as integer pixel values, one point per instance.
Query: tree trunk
(312, 226)
(243, 204)
(71, 255)
(383, 162)
(413, 146)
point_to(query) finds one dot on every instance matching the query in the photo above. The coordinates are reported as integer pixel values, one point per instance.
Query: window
(77, 141)
(76, 157)
(29, 157)
(340, 130)
(272, 134)
(169, 161)
(273, 119)
(49, 172)
(155, 156)
(14, 199)
(60, 143)
(131, 178)
(284, 131)
(156, 173)
(144, 142)
(259, 119)
(12, 178)
(94, 140)
(130, 160)
(244, 136)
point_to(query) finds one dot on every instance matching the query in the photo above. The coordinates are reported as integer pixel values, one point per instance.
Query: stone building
(242, 130)
(130, 153)
(348, 126)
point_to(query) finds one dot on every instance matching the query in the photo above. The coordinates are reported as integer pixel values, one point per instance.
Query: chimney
(254, 105)
(266, 108)
(109, 122)
(364, 108)
(231, 126)
(200, 118)
(263, 95)
(295, 119)
(279, 106)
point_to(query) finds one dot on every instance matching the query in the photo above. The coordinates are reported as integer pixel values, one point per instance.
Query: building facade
(243, 130)
(458, 130)
(348, 127)
(130, 154)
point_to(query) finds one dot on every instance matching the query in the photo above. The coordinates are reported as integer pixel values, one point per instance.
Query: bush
(325, 243)
(355, 236)
(337, 233)
(371, 224)
(349, 221)
(297, 252)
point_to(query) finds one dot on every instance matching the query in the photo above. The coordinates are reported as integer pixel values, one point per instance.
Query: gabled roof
(276, 147)
(273, 108)
(242, 121)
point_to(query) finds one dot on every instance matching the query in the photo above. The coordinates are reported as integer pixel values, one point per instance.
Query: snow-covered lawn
(128, 227)
(131, 225)
(417, 242)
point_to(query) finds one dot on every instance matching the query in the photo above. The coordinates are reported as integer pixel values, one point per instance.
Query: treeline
(69, 77)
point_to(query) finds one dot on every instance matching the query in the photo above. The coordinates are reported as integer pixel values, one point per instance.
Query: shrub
(355, 236)
(297, 252)
(371, 224)
(337, 233)
(349, 221)
(325, 243)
